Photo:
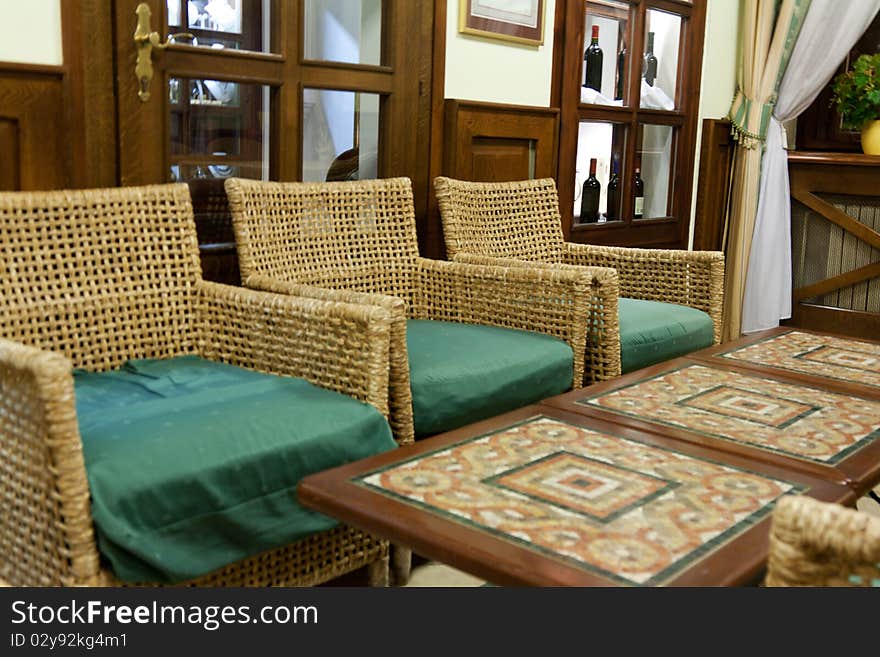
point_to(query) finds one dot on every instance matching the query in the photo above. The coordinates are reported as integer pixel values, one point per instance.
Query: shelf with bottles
(607, 32)
(654, 159)
(597, 177)
(606, 57)
(660, 60)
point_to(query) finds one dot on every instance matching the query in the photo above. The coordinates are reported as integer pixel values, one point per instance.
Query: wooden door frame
(89, 29)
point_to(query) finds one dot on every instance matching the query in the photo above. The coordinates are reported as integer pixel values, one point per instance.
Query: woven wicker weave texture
(520, 220)
(356, 242)
(92, 278)
(815, 543)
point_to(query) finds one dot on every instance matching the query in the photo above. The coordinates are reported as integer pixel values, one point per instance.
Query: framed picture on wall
(520, 21)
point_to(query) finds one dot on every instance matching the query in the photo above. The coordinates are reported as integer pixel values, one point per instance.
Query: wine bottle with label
(590, 196)
(639, 192)
(613, 193)
(593, 63)
(621, 73)
(649, 67)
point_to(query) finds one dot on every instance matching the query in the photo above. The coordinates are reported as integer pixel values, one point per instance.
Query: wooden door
(273, 90)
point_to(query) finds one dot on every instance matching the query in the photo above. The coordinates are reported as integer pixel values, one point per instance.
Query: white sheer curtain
(830, 30)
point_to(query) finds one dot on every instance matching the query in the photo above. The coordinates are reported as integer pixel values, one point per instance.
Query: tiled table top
(831, 434)
(545, 497)
(829, 359)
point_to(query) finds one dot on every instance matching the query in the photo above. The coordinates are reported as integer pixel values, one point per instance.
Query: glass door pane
(221, 24)
(218, 130)
(603, 75)
(343, 31)
(660, 60)
(654, 168)
(340, 135)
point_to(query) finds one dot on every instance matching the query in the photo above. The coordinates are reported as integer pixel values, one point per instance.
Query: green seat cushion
(652, 331)
(193, 464)
(461, 373)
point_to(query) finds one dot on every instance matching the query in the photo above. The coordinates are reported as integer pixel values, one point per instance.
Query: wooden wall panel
(835, 242)
(493, 143)
(713, 186)
(9, 155)
(32, 143)
(497, 158)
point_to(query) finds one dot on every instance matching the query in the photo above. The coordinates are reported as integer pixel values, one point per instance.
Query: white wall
(494, 71)
(30, 31)
(719, 73)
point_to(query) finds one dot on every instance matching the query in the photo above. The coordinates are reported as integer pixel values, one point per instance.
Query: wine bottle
(621, 73)
(639, 192)
(649, 68)
(613, 191)
(590, 196)
(593, 63)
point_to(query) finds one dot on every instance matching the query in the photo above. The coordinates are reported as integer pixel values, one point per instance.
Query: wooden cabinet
(641, 117)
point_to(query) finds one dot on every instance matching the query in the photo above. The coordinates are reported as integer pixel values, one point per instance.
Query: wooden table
(666, 476)
(545, 497)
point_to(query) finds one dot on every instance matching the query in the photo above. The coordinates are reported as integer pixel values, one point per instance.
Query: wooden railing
(836, 242)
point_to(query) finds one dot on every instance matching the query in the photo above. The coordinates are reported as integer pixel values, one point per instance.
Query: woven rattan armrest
(339, 346)
(46, 534)
(400, 398)
(551, 301)
(602, 355)
(815, 543)
(688, 278)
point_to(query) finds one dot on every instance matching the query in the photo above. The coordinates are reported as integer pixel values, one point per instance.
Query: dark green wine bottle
(593, 63)
(590, 196)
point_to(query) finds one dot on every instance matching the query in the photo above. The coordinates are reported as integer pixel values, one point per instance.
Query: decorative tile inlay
(821, 355)
(595, 489)
(789, 419)
(634, 513)
(749, 405)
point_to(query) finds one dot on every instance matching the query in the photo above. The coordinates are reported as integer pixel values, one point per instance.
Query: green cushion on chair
(651, 332)
(193, 465)
(461, 373)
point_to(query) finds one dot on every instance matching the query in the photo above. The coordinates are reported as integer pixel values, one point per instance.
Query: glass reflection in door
(340, 135)
(231, 24)
(343, 31)
(217, 130)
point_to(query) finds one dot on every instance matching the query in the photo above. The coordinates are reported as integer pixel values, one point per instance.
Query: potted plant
(857, 94)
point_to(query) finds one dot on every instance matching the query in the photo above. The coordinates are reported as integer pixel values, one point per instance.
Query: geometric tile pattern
(790, 419)
(587, 486)
(634, 513)
(835, 358)
(749, 405)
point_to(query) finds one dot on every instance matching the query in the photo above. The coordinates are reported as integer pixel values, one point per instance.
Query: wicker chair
(815, 543)
(511, 222)
(356, 242)
(90, 279)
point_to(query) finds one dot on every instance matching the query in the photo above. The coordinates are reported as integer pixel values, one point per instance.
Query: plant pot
(871, 138)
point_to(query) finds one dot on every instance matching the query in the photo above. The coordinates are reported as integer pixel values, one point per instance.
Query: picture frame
(517, 21)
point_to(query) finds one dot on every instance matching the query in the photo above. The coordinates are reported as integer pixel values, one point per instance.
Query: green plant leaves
(857, 92)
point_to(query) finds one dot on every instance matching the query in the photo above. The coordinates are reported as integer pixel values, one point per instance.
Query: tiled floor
(438, 574)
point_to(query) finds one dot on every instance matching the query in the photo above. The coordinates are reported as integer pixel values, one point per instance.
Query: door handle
(145, 40)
